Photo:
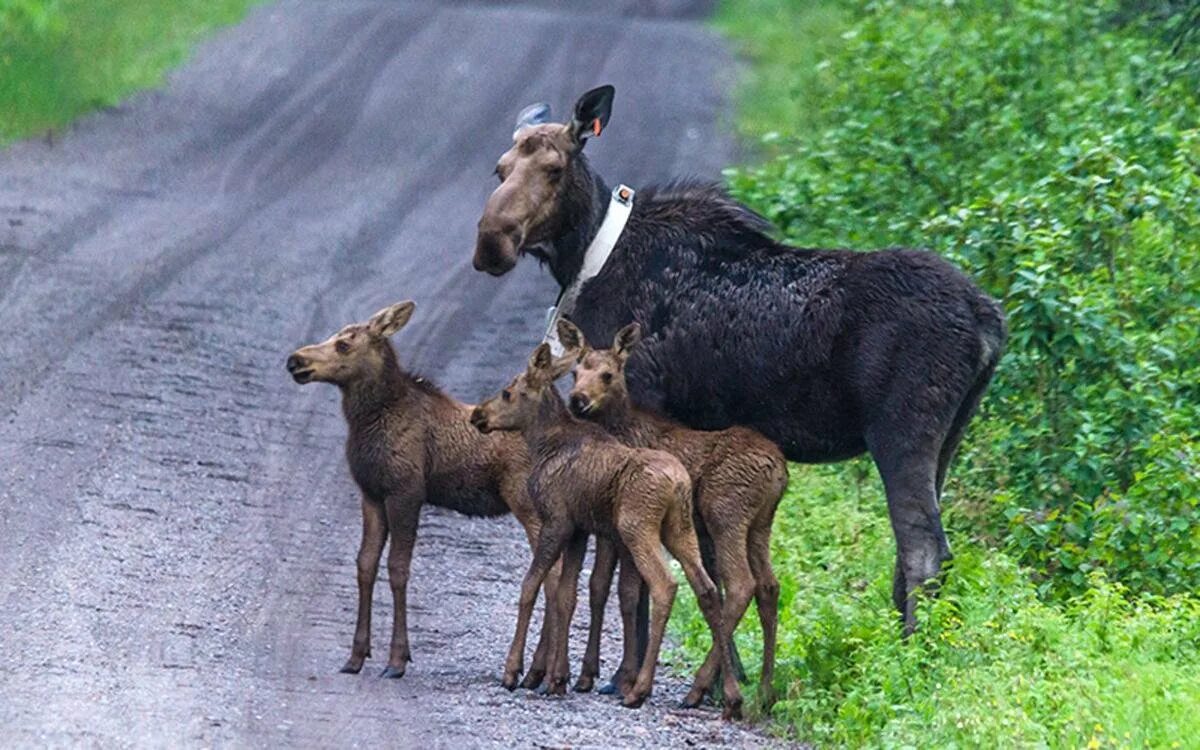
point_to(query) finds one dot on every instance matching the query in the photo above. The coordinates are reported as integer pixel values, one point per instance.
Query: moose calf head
(357, 351)
(599, 374)
(535, 175)
(517, 405)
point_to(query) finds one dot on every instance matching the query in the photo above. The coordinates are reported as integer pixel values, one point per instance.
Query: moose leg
(572, 562)
(403, 514)
(708, 553)
(599, 583)
(551, 540)
(766, 596)
(909, 479)
(537, 669)
(373, 537)
(630, 593)
(739, 590)
(644, 548)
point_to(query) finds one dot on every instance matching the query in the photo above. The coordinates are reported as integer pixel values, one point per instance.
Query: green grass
(994, 665)
(62, 58)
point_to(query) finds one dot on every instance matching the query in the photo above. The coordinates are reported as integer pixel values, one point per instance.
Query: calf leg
(630, 593)
(537, 669)
(572, 562)
(739, 590)
(680, 539)
(766, 595)
(551, 540)
(374, 535)
(708, 554)
(599, 583)
(644, 548)
(403, 514)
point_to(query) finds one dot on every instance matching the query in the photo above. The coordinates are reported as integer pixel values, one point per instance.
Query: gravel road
(177, 527)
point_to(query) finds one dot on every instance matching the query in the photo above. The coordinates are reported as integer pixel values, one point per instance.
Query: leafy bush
(1051, 150)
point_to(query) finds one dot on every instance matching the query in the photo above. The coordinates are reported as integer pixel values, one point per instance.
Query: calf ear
(534, 114)
(541, 360)
(571, 337)
(391, 319)
(626, 339)
(591, 113)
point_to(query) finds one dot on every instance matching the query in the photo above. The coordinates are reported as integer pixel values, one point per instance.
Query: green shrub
(1053, 153)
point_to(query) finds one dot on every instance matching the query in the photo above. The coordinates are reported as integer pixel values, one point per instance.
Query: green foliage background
(1051, 150)
(61, 58)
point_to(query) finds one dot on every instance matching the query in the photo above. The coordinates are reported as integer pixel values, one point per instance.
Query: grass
(994, 665)
(62, 58)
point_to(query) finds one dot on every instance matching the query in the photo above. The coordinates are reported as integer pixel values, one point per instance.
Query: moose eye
(555, 173)
(606, 377)
(342, 346)
(506, 395)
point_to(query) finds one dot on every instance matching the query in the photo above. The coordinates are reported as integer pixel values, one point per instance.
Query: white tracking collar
(594, 259)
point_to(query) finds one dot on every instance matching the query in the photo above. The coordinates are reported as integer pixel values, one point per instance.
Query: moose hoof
(732, 709)
(354, 666)
(557, 687)
(633, 700)
(692, 700)
(584, 684)
(533, 679)
(392, 673)
(509, 681)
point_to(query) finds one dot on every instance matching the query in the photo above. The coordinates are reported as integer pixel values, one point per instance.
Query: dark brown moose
(410, 444)
(738, 478)
(829, 353)
(583, 482)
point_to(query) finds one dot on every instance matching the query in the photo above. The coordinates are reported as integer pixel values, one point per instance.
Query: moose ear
(591, 113)
(626, 339)
(534, 114)
(571, 337)
(541, 360)
(391, 319)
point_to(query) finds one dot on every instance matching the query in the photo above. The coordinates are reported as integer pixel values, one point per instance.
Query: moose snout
(496, 246)
(300, 368)
(479, 419)
(580, 404)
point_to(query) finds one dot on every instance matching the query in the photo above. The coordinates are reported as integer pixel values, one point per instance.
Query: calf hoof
(392, 673)
(693, 699)
(533, 679)
(732, 709)
(354, 666)
(509, 681)
(585, 683)
(633, 700)
(557, 686)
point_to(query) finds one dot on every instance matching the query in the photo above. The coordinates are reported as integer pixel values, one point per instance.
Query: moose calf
(409, 444)
(584, 481)
(738, 478)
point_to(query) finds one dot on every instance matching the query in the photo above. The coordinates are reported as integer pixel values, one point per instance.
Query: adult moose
(829, 353)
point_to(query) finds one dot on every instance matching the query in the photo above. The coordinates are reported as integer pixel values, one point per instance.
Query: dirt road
(177, 528)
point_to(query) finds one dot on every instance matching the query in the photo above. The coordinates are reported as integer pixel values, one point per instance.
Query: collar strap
(594, 258)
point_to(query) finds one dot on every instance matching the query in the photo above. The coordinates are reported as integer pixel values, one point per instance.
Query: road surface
(178, 527)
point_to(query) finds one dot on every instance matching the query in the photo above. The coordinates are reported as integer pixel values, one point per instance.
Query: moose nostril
(294, 362)
(579, 402)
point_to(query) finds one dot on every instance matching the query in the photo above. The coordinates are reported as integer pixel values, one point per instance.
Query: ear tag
(596, 126)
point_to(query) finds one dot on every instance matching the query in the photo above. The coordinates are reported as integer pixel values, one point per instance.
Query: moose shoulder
(829, 353)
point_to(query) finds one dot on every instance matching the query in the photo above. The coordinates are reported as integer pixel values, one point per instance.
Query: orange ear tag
(596, 126)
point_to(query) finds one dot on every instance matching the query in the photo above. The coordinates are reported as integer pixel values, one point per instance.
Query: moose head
(540, 175)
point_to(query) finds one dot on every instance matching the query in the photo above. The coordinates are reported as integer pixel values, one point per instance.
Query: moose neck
(366, 397)
(543, 433)
(617, 416)
(583, 205)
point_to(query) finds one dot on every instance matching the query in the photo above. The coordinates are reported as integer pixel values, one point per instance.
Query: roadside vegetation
(1052, 151)
(62, 58)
